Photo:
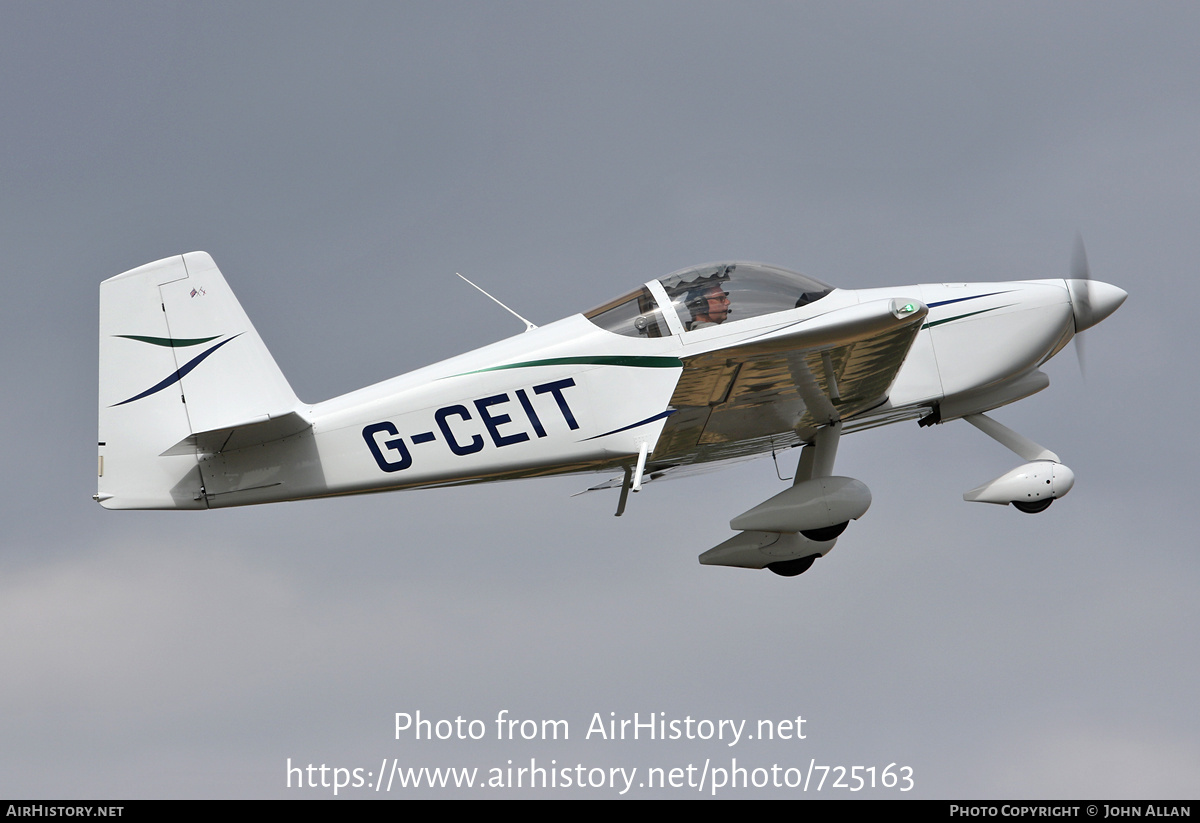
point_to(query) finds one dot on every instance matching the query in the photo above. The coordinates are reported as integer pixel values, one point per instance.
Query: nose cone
(1092, 301)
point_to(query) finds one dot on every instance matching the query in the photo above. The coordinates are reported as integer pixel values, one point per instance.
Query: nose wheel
(1031, 488)
(1032, 508)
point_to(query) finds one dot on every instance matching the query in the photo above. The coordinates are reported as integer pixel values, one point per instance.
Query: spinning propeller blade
(1083, 300)
(1091, 301)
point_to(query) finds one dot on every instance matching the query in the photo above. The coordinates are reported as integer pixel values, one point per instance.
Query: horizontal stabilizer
(240, 435)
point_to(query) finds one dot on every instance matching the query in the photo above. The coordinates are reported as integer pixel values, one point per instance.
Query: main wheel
(827, 533)
(791, 568)
(1034, 507)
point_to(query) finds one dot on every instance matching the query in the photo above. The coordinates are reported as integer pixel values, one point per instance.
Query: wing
(775, 390)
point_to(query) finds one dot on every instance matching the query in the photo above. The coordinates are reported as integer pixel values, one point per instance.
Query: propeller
(1091, 301)
(1082, 273)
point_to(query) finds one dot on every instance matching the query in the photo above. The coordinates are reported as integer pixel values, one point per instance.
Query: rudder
(178, 358)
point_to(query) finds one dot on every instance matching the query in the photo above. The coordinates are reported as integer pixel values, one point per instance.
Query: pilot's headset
(696, 298)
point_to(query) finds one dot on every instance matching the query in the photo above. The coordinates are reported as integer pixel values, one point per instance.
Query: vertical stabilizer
(178, 357)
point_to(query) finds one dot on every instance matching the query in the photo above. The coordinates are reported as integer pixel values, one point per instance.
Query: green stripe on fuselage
(632, 361)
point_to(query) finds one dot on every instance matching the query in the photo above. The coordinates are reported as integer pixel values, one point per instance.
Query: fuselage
(572, 396)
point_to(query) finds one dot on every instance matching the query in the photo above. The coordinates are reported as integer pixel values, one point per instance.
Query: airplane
(708, 364)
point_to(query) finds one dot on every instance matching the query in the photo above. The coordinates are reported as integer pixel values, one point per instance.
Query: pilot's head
(708, 304)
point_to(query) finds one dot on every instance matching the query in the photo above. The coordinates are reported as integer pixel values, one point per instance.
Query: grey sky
(341, 162)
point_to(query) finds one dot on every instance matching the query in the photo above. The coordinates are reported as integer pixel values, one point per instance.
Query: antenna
(528, 326)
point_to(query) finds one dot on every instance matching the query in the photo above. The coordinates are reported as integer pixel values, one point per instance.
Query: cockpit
(706, 296)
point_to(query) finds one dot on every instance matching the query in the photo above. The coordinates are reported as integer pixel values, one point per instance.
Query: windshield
(634, 315)
(706, 296)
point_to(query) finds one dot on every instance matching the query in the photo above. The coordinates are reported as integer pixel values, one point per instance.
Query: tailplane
(183, 373)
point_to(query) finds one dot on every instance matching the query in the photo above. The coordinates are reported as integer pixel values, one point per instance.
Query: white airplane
(708, 364)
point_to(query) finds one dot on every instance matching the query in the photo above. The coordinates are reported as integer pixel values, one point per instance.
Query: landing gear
(792, 568)
(792, 529)
(1032, 487)
(1033, 507)
(827, 533)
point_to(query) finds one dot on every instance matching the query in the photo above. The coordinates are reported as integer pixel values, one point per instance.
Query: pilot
(709, 305)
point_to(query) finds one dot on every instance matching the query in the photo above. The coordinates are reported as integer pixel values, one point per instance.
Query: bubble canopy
(706, 296)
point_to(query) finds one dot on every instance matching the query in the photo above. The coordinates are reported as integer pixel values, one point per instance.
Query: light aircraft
(711, 363)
